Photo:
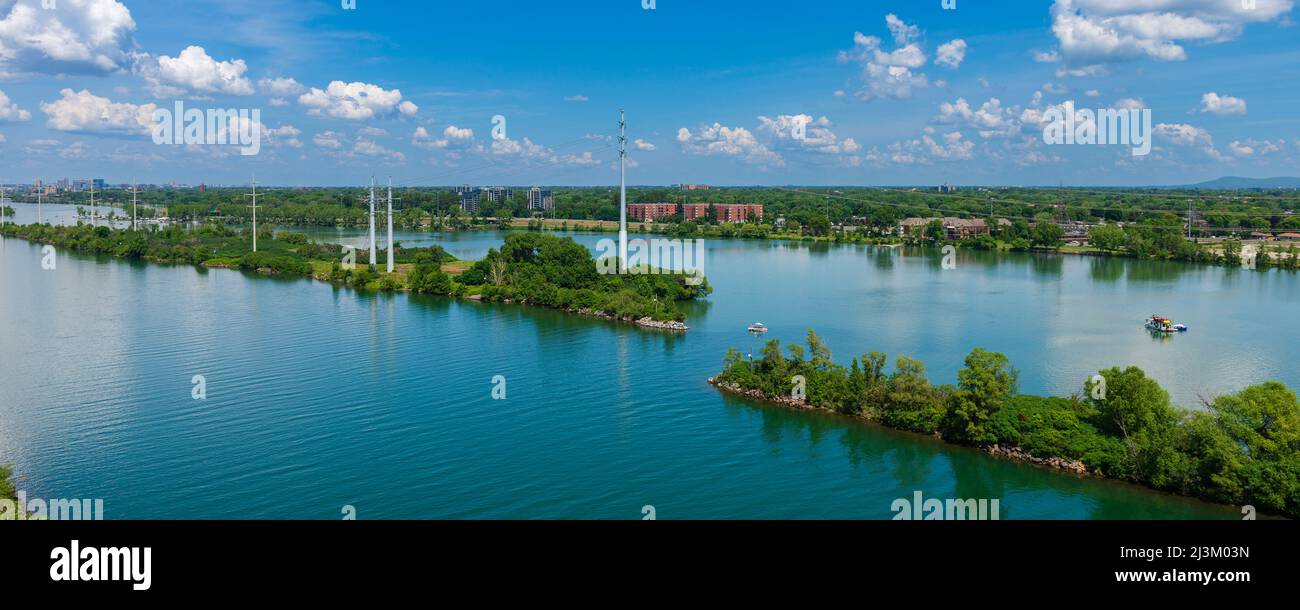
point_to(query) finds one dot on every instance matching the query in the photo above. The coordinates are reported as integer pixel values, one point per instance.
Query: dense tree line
(1225, 212)
(210, 244)
(558, 272)
(1242, 448)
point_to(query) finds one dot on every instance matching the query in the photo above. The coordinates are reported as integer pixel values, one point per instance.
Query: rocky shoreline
(646, 322)
(1020, 455)
(670, 325)
(737, 390)
(1015, 454)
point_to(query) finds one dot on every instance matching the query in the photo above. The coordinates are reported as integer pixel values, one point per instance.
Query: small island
(1241, 449)
(529, 268)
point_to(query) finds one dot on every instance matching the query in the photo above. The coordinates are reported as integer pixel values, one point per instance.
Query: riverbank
(1241, 449)
(1007, 452)
(528, 269)
(1137, 242)
(1131, 241)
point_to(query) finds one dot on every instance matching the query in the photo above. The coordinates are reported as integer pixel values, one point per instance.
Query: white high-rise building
(539, 200)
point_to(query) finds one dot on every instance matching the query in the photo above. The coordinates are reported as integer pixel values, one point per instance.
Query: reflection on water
(1106, 269)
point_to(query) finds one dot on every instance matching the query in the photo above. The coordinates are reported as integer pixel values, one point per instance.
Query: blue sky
(887, 92)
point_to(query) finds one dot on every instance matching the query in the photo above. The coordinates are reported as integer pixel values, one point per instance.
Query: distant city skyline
(757, 93)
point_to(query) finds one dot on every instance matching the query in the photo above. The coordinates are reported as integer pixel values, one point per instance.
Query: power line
(254, 195)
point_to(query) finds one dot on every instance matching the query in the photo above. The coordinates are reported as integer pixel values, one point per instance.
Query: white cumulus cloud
(85, 112)
(891, 74)
(194, 72)
(925, 151)
(355, 101)
(718, 139)
(803, 132)
(328, 139)
(991, 119)
(10, 112)
(951, 54)
(1225, 105)
(80, 37)
(1101, 31)
(280, 87)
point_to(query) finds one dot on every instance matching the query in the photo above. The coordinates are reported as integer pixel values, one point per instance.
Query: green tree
(1263, 424)
(1264, 420)
(935, 231)
(1214, 463)
(7, 491)
(821, 354)
(1106, 237)
(985, 385)
(1135, 408)
(732, 358)
(912, 403)
(819, 225)
(1048, 235)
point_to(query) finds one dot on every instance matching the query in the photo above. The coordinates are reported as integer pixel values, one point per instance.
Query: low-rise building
(650, 212)
(727, 212)
(954, 228)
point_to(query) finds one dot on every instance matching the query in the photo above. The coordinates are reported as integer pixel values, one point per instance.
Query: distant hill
(1234, 182)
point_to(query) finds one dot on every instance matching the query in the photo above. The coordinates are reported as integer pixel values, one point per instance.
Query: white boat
(757, 327)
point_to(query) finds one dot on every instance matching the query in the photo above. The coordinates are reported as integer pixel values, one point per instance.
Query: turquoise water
(320, 397)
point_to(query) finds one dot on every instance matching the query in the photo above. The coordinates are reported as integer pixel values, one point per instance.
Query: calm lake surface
(320, 397)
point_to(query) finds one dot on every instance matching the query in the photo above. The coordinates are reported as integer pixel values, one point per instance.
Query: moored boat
(1160, 324)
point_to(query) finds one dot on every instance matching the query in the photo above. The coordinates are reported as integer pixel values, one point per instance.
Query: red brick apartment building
(650, 212)
(727, 212)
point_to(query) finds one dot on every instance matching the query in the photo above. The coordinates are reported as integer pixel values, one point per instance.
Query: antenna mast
(390, 224)
(622, 192)
(254, 206)
(373, 254)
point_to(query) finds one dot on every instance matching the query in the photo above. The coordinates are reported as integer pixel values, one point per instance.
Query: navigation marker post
(254, 206)
(622, 192)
